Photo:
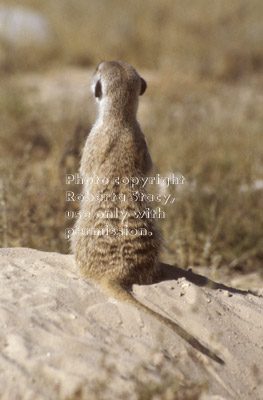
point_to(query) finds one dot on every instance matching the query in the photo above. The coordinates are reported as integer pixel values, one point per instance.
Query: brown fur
(116, 147)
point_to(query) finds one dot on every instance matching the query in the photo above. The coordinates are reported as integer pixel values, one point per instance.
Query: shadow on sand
(172, 272)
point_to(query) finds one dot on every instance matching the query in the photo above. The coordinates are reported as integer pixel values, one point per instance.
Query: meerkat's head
(116, 86)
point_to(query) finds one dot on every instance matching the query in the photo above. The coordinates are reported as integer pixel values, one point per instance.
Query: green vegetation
(203, 119)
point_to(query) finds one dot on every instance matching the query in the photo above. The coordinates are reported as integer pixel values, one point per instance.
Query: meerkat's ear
(98, 89)
(143, 86)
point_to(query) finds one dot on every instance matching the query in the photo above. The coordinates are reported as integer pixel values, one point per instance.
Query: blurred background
(202, 116)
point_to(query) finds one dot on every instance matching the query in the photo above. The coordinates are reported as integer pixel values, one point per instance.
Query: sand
(61, 338)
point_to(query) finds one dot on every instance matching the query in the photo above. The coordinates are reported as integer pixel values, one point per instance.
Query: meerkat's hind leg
(119, 292)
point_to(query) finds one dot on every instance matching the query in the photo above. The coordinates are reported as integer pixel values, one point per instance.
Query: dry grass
(211, 133)
(203, 118)
(159, 378)
(217, 38)
(36, 153)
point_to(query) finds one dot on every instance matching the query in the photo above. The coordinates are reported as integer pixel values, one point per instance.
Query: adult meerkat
(122, 249)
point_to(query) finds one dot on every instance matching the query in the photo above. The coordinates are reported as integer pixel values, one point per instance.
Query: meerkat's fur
(116, 148)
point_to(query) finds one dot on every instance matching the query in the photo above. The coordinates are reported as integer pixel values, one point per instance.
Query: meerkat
(119, 249)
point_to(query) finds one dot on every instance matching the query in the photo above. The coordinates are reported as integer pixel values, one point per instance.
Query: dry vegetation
(203, 119)
(158, 379)
(202, 115)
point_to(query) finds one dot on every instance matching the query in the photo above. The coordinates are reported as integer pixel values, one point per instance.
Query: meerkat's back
(115, 242)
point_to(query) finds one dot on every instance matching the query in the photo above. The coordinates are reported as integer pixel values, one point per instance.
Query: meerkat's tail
(120, 293)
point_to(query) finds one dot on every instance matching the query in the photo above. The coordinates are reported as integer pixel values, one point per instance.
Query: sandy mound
(61, 338)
